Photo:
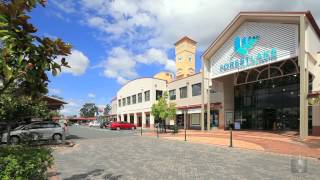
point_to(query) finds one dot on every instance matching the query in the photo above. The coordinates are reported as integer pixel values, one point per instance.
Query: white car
(37, 131)
(94, 124)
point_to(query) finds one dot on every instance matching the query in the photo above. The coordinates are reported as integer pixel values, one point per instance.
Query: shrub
(24, 163)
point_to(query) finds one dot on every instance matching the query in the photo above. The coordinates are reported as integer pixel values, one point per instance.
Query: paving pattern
(105, 154)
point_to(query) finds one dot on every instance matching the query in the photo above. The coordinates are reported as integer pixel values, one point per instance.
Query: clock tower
(185, 50)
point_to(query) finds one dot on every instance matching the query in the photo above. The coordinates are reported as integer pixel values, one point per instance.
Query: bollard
(230, 128)
(141, 130)
(158, 131)
(185, 134)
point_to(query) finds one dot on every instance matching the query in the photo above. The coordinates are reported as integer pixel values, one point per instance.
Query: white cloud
(54, 91)
(147, 29)
(72, 108)
(91, 95)
(157, 56)
(121, 64)
(77, 61)
(169, 20)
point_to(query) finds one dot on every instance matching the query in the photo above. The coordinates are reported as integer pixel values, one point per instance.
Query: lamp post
(185, 124)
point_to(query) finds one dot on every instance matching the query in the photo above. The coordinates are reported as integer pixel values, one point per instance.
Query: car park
(121, 125)
(45, 130)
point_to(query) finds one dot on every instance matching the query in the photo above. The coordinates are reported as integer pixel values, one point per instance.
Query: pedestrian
(65, 127)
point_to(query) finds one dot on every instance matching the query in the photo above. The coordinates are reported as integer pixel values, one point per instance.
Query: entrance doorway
(268, 97)
(139, 121)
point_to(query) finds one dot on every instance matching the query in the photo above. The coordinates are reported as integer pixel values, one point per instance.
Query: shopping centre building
(259, 73)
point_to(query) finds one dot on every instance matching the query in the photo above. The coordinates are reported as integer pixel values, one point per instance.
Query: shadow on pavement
(69, 137)
(93, 174)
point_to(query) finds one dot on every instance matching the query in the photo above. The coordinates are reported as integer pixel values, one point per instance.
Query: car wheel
(118, 128)
(14, 139)
(133, 128)
(57, 137)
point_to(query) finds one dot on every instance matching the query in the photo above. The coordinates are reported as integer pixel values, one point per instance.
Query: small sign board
(237, 125)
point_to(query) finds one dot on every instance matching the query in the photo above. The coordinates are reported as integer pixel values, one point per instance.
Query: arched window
(289, 67)
(264, 74)
(275, 72)
(242, 76)
(253, 75)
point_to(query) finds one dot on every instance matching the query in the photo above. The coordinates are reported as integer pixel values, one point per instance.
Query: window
(195, 119)
(158, 94)
(119, 102)
(183, 92)
(196, 89)
(139, 97)
(49, 125)
(180, 59)
(134, 99)
(129, 100)
(123, 101)
(190, 59)
(172, 94)
(147, 96)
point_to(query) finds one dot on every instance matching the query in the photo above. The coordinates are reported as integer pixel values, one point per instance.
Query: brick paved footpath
(123, 155)
(282, 143)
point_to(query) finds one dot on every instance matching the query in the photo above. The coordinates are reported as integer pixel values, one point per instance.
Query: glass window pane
(134, 99)
(158, 94)
(147, 96)
(139, 97)
(196, 89)
(183, 92)
(172, 94)
(123, 101)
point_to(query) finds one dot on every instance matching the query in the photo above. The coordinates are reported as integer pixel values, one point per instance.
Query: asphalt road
(105, 154)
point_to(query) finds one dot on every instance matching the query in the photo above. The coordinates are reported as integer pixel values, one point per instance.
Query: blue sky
(116, 41)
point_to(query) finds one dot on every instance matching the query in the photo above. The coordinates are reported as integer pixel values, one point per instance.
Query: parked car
(121, 125)
(94, 124)
(37, 131)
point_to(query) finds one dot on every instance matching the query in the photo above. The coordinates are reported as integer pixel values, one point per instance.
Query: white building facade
(135, 99)
(267, 65)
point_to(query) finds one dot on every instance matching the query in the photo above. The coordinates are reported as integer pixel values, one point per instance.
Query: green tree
(25, 57)
(88, 110)
(107, 109)
(162, 110)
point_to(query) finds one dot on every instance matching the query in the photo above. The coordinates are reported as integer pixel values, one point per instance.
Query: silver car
(37, 131)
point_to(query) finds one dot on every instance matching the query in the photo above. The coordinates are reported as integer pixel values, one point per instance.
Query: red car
(121, 125)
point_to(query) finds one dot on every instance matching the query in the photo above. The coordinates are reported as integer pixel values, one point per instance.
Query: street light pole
(185, 125)
(230, 128)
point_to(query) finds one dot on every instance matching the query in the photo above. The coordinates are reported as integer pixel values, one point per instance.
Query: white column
(303, 82)
(122, 118)
(151, 121)
(208, 110)
(135, 119)
(143, 119)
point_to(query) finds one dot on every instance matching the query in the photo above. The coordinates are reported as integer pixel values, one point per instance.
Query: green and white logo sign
(244, 59)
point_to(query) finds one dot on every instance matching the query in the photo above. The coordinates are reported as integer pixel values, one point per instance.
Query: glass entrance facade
(270, 103)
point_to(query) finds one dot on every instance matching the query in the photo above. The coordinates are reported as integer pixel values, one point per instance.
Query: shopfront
(265, 66)
(268, 99)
